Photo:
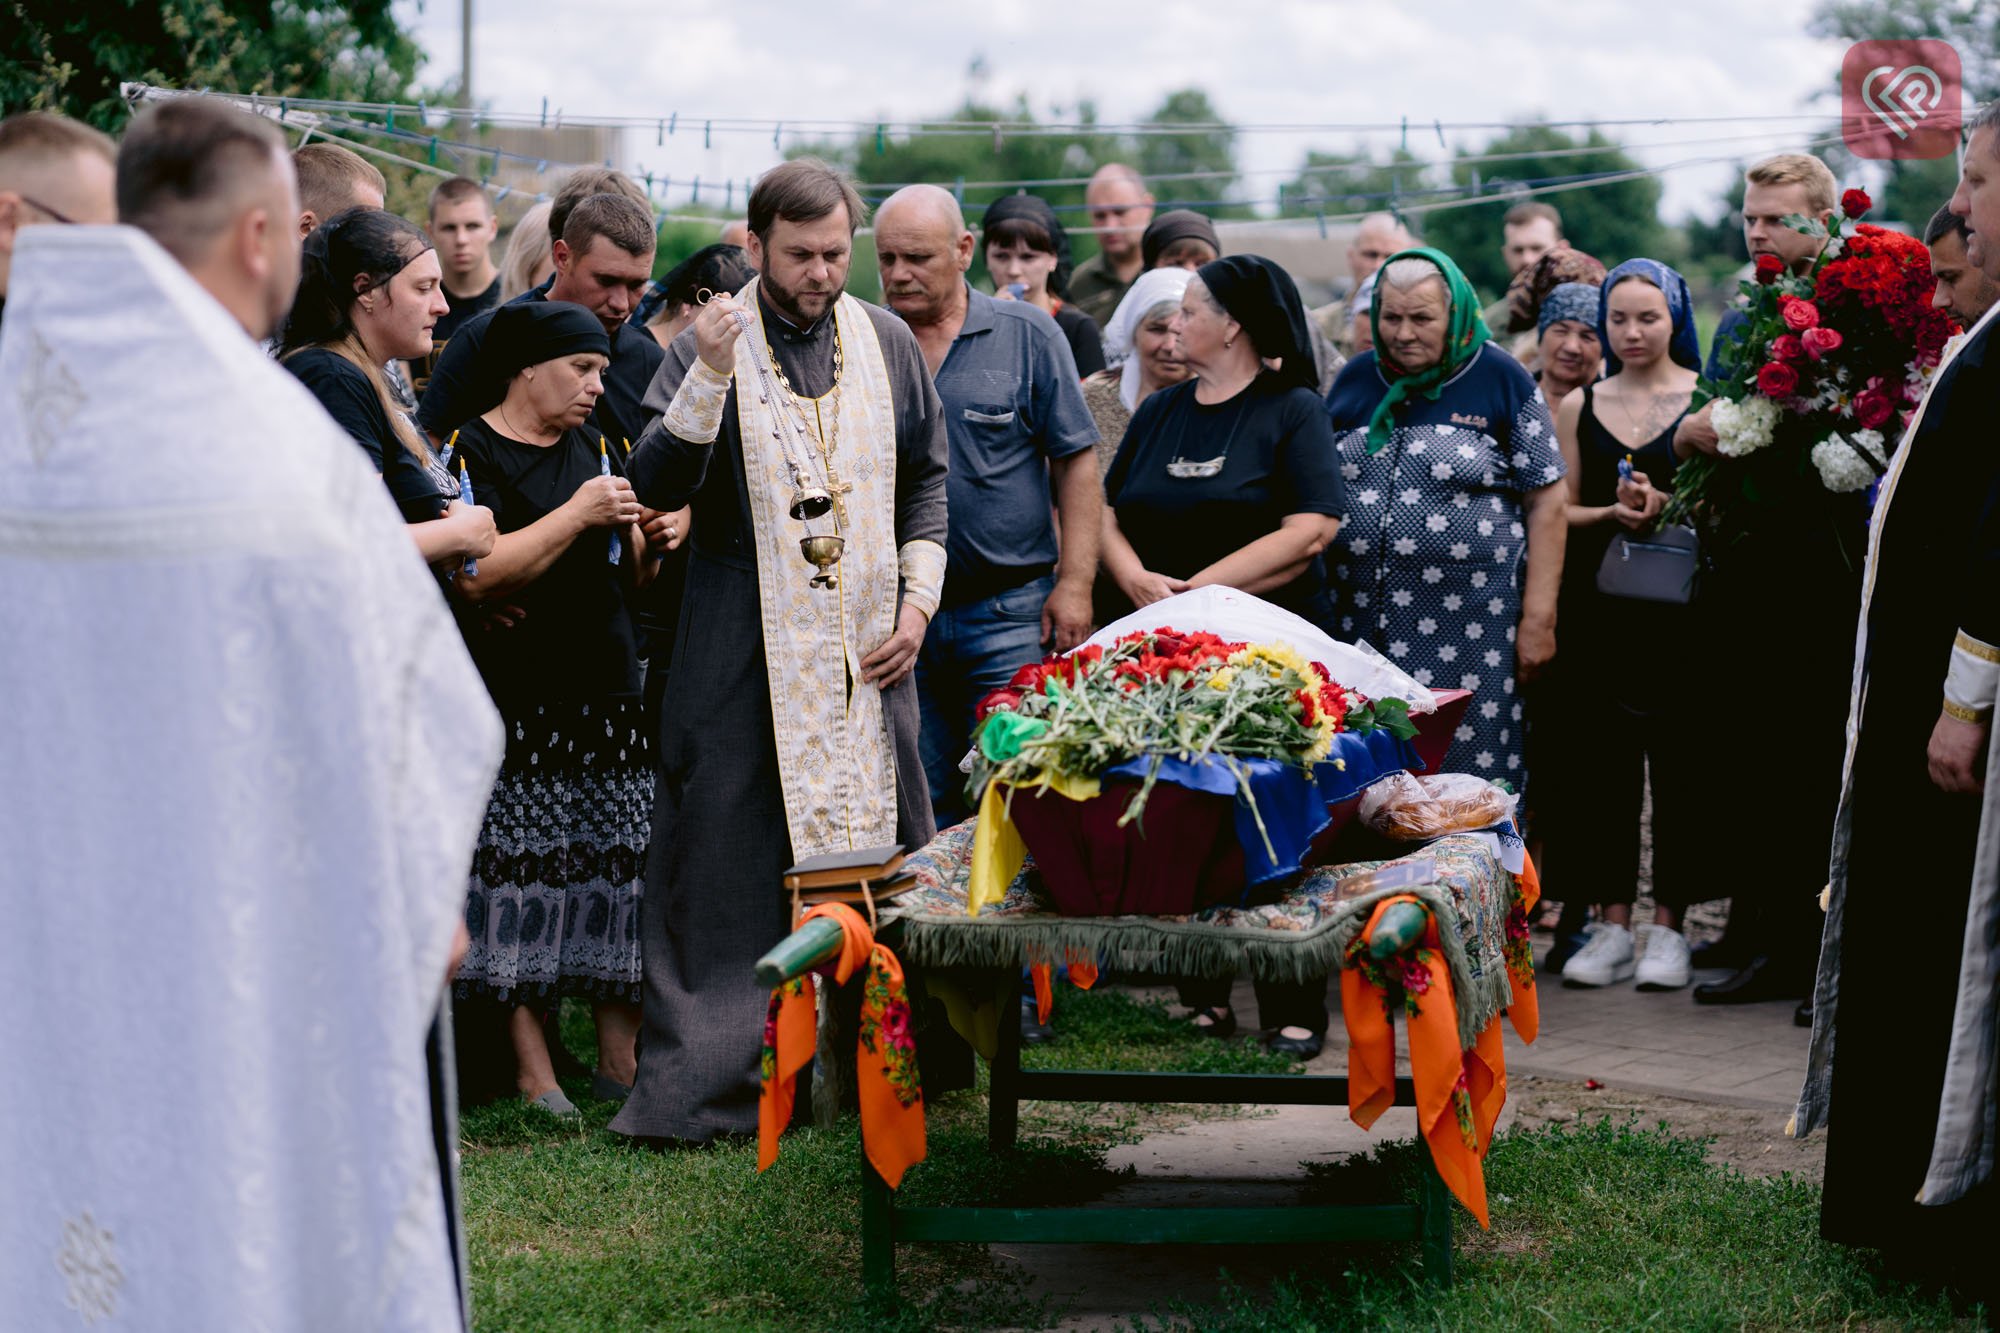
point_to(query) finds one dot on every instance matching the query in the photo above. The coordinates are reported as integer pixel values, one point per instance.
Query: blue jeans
(968, 651)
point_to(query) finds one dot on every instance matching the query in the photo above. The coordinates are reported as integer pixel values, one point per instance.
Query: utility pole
(465, 67)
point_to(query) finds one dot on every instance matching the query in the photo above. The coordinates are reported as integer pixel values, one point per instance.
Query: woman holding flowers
(1623, 720)
(1449, 452)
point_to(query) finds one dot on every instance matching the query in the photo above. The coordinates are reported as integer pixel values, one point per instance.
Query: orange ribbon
(1459, 1092)
(888, 1086)
(1082, 975)
(1525, 1008)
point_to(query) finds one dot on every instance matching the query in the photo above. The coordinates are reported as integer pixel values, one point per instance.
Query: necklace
(1185, 469)
(825, 431)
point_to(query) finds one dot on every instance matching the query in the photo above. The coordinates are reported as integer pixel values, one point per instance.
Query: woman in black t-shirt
(1027, 250)
(554, 901)
(370, 291)
(1231, 479)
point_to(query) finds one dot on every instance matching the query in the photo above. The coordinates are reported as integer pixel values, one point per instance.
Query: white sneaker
(1604, 961)
(1667, 965)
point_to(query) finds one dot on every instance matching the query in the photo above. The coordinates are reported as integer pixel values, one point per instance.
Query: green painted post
(804, 949)
(1436, 1224)
(878, 1233)
(1402, 925)
(1004, 1086)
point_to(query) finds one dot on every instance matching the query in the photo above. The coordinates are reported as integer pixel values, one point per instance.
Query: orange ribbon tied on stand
(1459, 1092)
(888, 1085)
(1524, 1009)
(1082, 975)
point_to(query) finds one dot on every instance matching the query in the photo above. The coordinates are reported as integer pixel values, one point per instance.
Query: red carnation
(1769, 269)
(1856, 203)
(1819, 341)
(1777, 380)
(996, 701)
(1873, 408)
(1787, 347)
(1798, 315)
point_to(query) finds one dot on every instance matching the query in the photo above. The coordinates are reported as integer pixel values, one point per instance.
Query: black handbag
(1659, 566)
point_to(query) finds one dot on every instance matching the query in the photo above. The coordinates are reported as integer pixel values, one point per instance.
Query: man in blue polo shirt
(1022, 465)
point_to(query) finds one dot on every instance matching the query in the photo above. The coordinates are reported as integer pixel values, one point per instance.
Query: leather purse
(1659, 566)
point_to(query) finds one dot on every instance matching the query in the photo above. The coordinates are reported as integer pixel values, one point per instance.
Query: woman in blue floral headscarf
(1621, 678)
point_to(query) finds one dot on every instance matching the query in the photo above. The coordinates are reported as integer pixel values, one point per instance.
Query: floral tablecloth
(1306, 933)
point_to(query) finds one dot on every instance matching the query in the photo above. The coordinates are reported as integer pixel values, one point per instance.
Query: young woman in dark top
(554, 900)
(1231, 479)
(1622, 722)
(1025, 246)
(370, 291)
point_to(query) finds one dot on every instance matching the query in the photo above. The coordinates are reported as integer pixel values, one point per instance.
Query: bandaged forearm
(1973, 680)
(922, 566)
(696, 412)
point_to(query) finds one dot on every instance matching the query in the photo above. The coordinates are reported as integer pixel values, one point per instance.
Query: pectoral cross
(838, 488)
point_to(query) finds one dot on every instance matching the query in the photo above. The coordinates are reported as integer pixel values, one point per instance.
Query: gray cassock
(720, 842)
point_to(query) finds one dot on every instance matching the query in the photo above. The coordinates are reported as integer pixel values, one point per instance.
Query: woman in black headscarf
(1231, 479)
(1027, 252)
(1180, 238)
(554, 901)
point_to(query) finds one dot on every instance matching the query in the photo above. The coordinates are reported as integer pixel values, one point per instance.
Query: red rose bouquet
(1820, 379)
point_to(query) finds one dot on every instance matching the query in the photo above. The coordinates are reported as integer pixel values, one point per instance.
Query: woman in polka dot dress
(1451, 557)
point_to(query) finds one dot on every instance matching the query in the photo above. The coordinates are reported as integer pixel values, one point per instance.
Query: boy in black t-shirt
(463, 228)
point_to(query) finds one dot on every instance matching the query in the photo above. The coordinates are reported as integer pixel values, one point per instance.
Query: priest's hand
(1955, 751)
(715, 334)
(1066, 616)
(897, 656)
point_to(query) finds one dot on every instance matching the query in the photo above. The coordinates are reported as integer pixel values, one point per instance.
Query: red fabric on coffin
(1179, 856)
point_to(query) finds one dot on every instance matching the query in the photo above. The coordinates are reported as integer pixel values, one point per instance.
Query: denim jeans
(968, 651)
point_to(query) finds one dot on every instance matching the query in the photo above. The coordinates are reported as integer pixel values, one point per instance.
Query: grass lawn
(1601, 1226)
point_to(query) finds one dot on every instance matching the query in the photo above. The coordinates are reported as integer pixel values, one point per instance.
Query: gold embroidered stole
(835, 761)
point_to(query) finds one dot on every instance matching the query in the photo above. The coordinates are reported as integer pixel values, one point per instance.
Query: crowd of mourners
(1402, 467)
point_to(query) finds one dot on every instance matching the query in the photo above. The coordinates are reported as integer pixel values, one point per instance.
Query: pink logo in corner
(1900, 99)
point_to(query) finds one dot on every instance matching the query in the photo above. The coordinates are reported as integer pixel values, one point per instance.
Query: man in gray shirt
(1022, 463)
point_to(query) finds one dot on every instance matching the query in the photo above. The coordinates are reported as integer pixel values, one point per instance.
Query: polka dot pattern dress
(1428, 566)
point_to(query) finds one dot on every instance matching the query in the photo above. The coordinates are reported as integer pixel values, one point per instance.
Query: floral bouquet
(1821, 379)
(1157, 706)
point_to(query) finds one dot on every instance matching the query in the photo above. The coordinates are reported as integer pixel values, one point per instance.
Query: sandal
(1219, 1025)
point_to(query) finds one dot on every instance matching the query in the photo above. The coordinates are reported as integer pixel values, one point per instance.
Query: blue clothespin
(545, 113)
(604, 470)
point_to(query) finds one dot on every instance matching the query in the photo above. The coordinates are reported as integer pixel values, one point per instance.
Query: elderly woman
(1230, 479)
(1450, 456)
(1145, 354)
(1567, 347)
(1027, 252)
(1531, 287)
(1624, 723)
(554, 902)
(369, 292)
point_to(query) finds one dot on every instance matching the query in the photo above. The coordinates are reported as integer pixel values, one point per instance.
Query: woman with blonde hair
(530, 257)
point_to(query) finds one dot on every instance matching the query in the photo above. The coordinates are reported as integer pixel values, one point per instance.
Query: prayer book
(836, 870)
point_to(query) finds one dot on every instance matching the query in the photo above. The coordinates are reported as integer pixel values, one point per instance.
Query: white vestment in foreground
(243, 762)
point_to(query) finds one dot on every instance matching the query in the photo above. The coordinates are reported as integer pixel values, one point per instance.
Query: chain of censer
(766, 362)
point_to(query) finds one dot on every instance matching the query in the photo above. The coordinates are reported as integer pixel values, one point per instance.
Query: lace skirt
(553, 908)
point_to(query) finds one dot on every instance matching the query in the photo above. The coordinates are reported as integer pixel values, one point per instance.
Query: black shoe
(1802, 1017)
(1299, 1048)
(1033, 1031)
(1724, 952)
(1762, 980)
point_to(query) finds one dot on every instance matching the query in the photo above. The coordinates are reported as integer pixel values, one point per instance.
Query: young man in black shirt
(463, 228)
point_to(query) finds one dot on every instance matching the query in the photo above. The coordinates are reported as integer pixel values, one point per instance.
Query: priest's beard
(803, 307)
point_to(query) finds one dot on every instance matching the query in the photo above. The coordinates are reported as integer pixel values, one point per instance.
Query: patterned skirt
(553, 908)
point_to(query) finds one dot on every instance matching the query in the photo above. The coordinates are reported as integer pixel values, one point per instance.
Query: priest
(239, 788)
(789, 728)
(1903, 1047)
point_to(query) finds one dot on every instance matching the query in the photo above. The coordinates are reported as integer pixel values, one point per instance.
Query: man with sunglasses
(52, 169)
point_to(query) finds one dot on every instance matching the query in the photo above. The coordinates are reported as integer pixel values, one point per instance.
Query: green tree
(1350, 183)
(1613, 221)
(1208, 153)
(70, 55)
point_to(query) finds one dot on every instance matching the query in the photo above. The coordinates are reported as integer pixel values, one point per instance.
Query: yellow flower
(1283, 658)
(1220, 680)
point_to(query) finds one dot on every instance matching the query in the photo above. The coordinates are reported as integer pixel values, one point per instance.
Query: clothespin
(777, 130)
(996, 136)
(504, 192)
(545, 113)
(707, 134)
(392, 120)
(1322, 224)
(729, 194)
(1406, 134)
(423, 114)
(881, 140)
(1439, 126)
(542, 167)
(672, 120)
(697, 191)
(660, 138)
(434, 150)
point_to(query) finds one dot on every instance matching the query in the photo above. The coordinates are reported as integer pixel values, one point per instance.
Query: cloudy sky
(1268, 62)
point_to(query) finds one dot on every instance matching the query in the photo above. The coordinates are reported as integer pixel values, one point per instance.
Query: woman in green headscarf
(1454, 482)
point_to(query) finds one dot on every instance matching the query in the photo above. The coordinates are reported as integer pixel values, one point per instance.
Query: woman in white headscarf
(1144, 355)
